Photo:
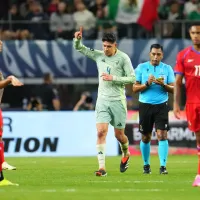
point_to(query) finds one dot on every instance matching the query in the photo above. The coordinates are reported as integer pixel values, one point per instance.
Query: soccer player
(3, 83)
(115, 70)
(188, 66)
(5, 165)
(154, 80)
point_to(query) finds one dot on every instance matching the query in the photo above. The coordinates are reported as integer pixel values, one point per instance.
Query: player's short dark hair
(156, 46)
(109, 37)
(197, 23)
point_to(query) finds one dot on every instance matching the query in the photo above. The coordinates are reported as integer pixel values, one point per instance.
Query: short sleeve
(179, 68)
(138, 74)
(54, 94)
(171, 77)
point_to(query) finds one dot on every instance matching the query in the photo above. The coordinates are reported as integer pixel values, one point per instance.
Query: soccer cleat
(196, 182)
(147, 169)
(101, 172)
(163, 170)
(124, 164)
(6, 166)
(5, 182)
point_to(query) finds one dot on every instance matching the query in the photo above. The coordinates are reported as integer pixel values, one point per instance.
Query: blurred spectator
(97, 5)
(128, 11)
(170, 29)
(12, 16)
(13, 29)
(85, 18)
(104, 24)
(34, 104)
(190, 6)
(39, 29)
(62, 23)
(53, 6)
(25, 8)
(195, 15)
(48, 94)
(85, 102)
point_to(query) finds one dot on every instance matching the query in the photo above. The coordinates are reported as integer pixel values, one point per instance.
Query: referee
(154, 79)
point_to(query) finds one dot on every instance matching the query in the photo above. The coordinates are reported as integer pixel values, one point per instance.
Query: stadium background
(54, 151)
(29, 58)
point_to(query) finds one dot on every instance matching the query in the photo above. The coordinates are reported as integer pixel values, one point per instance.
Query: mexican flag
(143, 12)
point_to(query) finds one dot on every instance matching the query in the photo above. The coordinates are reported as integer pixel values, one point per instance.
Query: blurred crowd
(52, 19)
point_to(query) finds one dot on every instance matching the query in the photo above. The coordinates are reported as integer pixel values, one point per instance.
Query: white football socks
(101, 155)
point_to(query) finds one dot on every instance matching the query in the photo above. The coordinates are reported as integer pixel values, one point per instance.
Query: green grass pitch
(72, 178)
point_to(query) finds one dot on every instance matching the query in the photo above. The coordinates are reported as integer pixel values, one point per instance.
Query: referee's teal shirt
(154, 94)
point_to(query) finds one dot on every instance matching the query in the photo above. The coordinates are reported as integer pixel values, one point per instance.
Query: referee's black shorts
(150, 114)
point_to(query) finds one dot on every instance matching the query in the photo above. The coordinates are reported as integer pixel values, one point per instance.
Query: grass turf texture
(73, 178)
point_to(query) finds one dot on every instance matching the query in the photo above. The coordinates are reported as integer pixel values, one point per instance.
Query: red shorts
(193, 116)
(1, 123)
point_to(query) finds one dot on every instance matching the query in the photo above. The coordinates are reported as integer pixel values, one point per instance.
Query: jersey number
(108, 70)
(197, 70)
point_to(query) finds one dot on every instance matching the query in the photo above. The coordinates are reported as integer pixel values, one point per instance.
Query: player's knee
(161, 136)
(146, 138)
(101, 133)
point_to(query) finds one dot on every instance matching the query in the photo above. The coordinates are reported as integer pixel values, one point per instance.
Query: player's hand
(151, 79)
(15, 81)
(1, 46)
(79, 34)
(177, 111)
(107, 77)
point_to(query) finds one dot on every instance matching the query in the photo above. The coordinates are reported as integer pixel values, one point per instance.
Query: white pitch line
(144, 181)
(70, 190)
(51, 190)
(137, 190)
(137, 181)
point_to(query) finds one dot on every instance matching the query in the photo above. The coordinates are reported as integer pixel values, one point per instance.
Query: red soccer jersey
(188, 64)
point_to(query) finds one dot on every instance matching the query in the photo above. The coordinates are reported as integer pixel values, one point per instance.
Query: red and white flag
(143, 12)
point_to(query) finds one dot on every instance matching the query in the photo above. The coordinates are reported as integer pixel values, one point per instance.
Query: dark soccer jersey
(188, 64)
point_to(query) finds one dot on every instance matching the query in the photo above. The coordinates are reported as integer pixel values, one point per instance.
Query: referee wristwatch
(164, 85)
(147, 83)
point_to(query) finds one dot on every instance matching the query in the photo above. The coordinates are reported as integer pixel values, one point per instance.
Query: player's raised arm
(89, 52)
(129, 73)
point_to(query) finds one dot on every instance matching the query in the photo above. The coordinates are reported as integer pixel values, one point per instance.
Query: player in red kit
(5, 165)
(3, 83)
(188, 67)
